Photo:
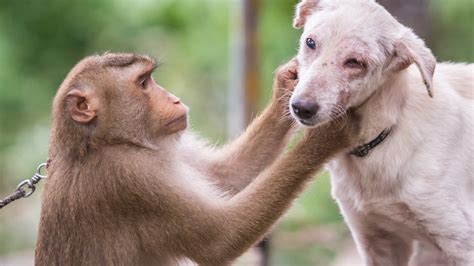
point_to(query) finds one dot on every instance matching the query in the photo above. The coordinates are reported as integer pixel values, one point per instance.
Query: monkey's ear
(304, 9)
(82, 105)
(411, 49)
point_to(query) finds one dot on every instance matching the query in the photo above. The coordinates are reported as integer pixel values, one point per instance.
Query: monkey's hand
(286, 78)
(332, 137)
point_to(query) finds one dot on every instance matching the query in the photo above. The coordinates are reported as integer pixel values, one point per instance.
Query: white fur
(419, 183)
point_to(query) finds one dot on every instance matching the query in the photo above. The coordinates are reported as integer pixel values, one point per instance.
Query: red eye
(354, 63)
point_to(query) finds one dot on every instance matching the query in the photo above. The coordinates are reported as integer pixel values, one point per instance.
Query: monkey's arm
(237, 163)
(212, 231)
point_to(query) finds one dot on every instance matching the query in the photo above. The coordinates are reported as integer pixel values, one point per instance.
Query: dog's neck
(383, 109)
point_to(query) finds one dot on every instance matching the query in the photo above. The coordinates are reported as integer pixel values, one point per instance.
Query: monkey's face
(147, 106)
(166, 108)
(115, 97)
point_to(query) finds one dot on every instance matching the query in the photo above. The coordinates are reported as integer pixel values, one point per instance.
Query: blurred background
(218, 57)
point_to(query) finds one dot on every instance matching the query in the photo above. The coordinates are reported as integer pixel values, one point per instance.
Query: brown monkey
(129, 186)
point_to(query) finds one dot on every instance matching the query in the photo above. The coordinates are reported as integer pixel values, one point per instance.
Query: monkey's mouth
(179, 120)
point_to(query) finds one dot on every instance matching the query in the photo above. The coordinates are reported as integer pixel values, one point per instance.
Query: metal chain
(20, 191)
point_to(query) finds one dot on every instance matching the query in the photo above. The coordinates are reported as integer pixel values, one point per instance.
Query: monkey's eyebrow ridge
(125, 60)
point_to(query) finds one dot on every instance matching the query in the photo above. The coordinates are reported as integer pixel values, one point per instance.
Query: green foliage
(453, 29)
(314, 206)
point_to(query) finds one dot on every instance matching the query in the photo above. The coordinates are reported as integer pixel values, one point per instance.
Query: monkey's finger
(291, 84)
(287, 76)
(293, 66)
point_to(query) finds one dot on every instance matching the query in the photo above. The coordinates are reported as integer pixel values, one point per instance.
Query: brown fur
(128, 188)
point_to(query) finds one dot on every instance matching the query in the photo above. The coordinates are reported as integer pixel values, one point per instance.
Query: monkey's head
(113, 99)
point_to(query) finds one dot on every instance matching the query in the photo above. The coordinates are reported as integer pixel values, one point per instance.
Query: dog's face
(349, 48)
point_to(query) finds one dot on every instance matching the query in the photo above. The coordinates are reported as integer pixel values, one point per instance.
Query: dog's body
(418, 183)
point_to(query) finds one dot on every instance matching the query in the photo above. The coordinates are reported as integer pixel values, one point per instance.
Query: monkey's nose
(174, 99)
(305, 109)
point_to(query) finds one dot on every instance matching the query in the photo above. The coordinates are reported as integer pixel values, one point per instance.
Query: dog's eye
(354, 63)
(310, 43)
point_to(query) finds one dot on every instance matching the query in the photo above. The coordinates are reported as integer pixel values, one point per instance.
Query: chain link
(26, 187)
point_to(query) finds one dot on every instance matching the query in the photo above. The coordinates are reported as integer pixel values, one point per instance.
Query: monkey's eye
(311, 43)
(354, 63)
(142, 82)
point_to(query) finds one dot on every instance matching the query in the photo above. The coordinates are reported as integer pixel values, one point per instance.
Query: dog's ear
(411, 49)
(304, 9)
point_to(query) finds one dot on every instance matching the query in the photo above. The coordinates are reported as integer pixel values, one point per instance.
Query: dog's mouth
(335, 114)
(306, 123)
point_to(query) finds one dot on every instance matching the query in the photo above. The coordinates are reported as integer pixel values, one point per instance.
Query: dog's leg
(428, 255)
(382, 247)
(448, 224)
(376, 245)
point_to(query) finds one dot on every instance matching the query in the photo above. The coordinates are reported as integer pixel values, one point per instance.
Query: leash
(26, 187)
(20, 192)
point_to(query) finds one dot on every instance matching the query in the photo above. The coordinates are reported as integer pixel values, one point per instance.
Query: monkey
(130, 185)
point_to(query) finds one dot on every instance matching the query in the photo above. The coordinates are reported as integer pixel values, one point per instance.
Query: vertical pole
(251, 10)
(236, 120)
(244, 93)
(251, 73)
(244, 71)
(251, 62)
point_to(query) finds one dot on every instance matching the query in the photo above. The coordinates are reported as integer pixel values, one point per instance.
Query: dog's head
(348, 49)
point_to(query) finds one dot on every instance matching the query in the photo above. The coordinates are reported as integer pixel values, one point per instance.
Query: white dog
(412, 177)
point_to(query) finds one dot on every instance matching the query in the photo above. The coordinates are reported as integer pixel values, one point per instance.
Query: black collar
(364, 149)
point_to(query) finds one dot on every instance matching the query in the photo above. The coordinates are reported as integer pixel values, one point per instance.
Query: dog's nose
(305, 109)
